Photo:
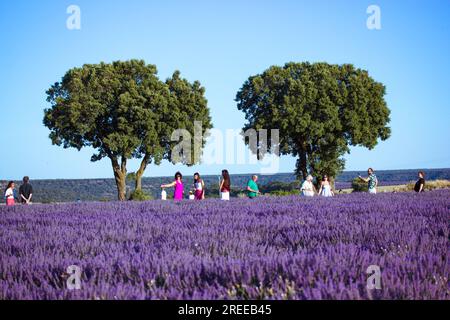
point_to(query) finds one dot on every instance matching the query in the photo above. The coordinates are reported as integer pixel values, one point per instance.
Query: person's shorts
(373, 191)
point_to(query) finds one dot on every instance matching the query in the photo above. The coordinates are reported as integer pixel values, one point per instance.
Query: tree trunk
(332, 183)
(120, 175)
(138, 183)
(140, 173)
(317, 175)
(302, 166)
(121, 186)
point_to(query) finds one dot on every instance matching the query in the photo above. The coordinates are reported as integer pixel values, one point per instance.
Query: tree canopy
(123, 111)
(320, 109)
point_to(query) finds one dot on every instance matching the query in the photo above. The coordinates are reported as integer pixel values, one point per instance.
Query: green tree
(186, 103)
(122, 110)
(320, 110)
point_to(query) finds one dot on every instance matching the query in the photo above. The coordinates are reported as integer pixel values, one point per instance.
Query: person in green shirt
(252, 187)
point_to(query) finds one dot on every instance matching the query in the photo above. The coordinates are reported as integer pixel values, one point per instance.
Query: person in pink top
(178, 187)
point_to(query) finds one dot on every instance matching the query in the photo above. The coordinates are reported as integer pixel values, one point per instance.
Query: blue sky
(221, 44)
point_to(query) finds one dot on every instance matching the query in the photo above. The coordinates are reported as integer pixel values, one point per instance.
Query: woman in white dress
(308, 189)
(325, 188)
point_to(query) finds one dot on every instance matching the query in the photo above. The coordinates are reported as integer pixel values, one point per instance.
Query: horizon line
(212, 175)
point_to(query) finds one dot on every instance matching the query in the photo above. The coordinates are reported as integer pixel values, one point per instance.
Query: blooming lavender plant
(273, 248)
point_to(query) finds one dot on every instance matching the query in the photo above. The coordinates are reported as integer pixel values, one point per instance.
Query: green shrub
(359, 185)
(140, 195)
(131, 177)
(283, 193)
(277, 186)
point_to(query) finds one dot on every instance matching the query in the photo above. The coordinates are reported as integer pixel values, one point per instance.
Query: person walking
(177, 185)
(372, 181)
(199, 187)
(420, 184)
(252, 187)
(225, 186)
(9, 194)
(26, 191)
(307, 189)
(325, 188)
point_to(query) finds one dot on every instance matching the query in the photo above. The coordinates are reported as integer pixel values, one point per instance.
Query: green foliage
(110, 107)
(123, 111)
(359, 185)
(283, 193)
(140, 195)
(212, 190)
(281, 188)
(131, 177)
(320, 110)
(187, 104)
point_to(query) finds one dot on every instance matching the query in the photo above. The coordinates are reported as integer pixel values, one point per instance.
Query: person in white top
(308, 189)
(9, 194)
(325, 188)
(199, 187)
(225, 186)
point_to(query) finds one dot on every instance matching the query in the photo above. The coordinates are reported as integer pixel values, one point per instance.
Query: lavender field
(270, 248)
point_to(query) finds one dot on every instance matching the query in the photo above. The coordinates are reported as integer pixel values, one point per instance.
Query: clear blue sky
(221, 44)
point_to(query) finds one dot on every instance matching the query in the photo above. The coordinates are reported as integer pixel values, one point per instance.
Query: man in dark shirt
(420, 184)
(26, 191)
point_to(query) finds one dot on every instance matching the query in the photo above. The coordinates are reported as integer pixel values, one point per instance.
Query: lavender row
(270, 248)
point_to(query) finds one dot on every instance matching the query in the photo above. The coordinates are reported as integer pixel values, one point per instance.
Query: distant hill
(105, 189)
